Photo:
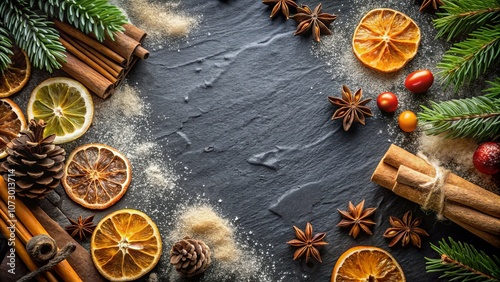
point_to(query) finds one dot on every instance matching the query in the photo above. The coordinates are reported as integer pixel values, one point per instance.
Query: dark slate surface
(241, 104)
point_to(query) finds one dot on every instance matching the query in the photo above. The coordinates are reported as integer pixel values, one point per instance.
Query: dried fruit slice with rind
(15, 77)
(367, 263)
(386, 40)
(12, 121)
(125, 245)
(96, 176)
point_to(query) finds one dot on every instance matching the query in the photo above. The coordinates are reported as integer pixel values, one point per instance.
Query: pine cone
(36, 163)
(190, 257)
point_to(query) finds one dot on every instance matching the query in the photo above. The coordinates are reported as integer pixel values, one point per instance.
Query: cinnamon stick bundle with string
(434, 188)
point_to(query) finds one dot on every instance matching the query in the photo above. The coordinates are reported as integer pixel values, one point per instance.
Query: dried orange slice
(125, 245)
(385, 40)
(16, 75)
(367, 263)
(12, 121)
(96, 176)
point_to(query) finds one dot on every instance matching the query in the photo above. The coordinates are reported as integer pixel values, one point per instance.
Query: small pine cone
(190, 257)
(36, 163)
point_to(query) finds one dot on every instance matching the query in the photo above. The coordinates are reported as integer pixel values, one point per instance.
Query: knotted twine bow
(435, 197)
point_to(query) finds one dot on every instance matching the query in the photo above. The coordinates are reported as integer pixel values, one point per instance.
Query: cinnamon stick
(134, 32)
(85, 59)
(90, 55)
(81, 259)
(74, 32)
(26, 217)
(111, 64)
(486, 202)
(93, 80)
(23, 254)
(386, 175)
(126, 47)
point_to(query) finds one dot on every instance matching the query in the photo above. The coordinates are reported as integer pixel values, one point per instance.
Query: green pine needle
(464, 16)
(33, 32)
(90, 16)
(462, 262)
(477, 117)
(5, 48)
(494, 90)
(471, 58)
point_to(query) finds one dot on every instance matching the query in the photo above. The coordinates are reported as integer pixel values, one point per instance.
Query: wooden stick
(93, 80)
(74, 32)
(23, 254)
(63, 269)
(91, 56)
(134, 32)
(85, 59)
(489, 204)
(117, 68)
(21, 231)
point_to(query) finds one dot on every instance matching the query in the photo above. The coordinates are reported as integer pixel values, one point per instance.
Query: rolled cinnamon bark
(93, 80)
(134, 32)
(469, 218)
(486, 202)
(126, 47)
(80, 259)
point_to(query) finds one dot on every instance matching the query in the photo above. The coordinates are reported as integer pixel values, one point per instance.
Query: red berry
(419, 81)
(486, 158)
(387, 102)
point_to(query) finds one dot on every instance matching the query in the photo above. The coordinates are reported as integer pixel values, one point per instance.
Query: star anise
(351, 107)
(315, 21)
(434, 4)
(357, 219)
(308, 243)
(405, 230)
(82, 228)
(283, 5)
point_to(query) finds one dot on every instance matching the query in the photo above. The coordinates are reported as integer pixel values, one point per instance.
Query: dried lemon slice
(65, 105)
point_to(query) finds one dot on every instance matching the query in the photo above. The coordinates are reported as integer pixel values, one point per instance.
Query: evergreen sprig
(494, 90)
(461, 17)
(477, 117)
(5, 51)
(469, 59)
(27, 23)
(462, 262)
(90, 16)
(34, 33)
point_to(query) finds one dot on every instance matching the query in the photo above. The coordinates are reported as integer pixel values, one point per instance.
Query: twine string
(435, 196)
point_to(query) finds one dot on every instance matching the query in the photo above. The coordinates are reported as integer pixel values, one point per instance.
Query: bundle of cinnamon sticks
(466, 204)
(101, 66)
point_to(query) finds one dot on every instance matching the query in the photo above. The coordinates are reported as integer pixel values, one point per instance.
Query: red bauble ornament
(486, 158)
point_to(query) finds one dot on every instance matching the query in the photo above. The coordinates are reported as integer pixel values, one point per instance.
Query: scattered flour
(232, 259)
(168, 19)
(456, 155)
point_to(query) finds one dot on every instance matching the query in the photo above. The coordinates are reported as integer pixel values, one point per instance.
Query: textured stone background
(238, 113)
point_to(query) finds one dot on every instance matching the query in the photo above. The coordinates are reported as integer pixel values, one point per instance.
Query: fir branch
(33, 33)
(494, 90)
(464, 16)
(471, 58)
(477, 117)
(461, 261)
(90, 16)
(5, 49)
